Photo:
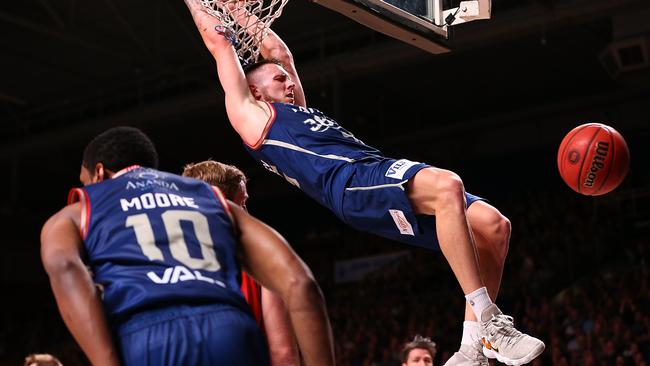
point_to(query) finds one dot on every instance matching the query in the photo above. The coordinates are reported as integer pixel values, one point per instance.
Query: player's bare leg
(491, 231)
(492, 237)
(440, 192)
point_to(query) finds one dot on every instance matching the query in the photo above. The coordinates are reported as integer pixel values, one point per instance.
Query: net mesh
(246, 22)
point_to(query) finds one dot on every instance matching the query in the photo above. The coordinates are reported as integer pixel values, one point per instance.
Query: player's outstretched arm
(270, 260)
(74, 290)
(279, 332)
(247, 115)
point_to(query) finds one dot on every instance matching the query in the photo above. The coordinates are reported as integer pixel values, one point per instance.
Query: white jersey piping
(399, 185)
(303, 150)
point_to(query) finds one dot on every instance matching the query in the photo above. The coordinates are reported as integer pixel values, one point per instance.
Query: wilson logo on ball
(597, 163)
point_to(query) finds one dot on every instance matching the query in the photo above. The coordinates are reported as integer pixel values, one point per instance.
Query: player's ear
(99, 173)
(255, 92)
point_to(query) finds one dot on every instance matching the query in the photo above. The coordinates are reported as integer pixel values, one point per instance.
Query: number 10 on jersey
(177, 246)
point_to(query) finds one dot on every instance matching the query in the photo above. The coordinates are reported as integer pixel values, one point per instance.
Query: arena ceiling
(69, 61)
(70, 69)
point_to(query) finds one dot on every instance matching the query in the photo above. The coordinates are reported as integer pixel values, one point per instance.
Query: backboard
(422, 23)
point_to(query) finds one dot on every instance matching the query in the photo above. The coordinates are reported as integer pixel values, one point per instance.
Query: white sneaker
(502, 341)
(468, 356)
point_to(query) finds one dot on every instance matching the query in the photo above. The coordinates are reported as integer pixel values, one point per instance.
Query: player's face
(419, 357)
(272, 83)
(241, 196)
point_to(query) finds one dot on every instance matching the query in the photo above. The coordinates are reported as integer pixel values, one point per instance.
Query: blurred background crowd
(576, 276)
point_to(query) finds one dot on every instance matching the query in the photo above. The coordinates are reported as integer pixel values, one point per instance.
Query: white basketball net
(246, 22)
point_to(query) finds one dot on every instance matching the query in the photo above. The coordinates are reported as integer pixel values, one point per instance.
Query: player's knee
(491, 228)
(434, 190)
(498, 234)
(449, 188)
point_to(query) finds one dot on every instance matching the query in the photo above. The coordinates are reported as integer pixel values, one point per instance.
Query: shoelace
(475, 355)
(505, 328)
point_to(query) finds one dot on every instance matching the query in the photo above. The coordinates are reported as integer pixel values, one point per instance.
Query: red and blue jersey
(253, 294)
(155, 239)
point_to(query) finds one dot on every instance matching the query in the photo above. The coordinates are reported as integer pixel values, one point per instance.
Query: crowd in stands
(576, 277)
(578, 280)
(601, 320)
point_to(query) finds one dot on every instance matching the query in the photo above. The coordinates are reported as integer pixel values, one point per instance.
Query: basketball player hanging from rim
(410, 202)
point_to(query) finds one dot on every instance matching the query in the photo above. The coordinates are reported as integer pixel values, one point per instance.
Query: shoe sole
(521, 361)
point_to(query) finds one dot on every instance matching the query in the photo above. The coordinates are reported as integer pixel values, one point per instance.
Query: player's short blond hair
(41, 359)
(226, 177)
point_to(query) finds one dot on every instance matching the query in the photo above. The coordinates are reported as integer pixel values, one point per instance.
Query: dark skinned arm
(270, 260)
(76, 295)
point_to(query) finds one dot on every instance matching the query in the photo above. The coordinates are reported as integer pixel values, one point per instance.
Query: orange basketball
(593, 159)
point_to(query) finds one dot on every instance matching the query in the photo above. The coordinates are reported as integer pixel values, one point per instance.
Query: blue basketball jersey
(155, 239)
(365, 189)
(312, 152)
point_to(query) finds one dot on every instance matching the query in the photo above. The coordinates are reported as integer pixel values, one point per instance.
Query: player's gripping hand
(212, 28)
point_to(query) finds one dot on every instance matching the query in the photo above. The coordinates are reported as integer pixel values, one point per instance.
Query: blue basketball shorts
(193, 335)
(375, 201)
